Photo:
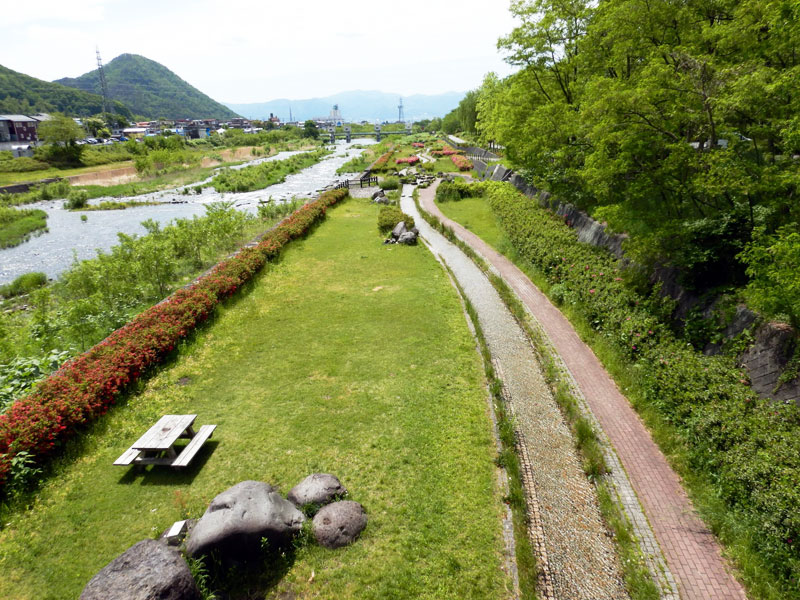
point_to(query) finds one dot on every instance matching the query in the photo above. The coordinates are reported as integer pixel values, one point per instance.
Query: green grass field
(347, 357)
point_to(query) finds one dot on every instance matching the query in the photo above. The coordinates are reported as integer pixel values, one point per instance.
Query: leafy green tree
(93, 125)
(310, 130)
(61, 133)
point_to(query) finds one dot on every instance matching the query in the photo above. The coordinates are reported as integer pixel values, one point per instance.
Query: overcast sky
(258, 50)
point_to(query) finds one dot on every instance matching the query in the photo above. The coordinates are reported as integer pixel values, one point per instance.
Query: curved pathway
(691, 551)
(576, 558)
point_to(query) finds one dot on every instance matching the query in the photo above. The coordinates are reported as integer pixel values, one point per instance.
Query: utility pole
(103, 86)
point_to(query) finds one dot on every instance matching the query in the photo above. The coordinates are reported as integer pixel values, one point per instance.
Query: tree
(93, 125)
(310, 130)
(60, 133)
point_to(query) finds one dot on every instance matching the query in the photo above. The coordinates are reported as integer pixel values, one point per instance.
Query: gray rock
(339, 523)
(381, 200)
(399, 229)
(409, 238)
(414, 230)
(148, 570)
(238, 518)
(376, 194)
(317, 488)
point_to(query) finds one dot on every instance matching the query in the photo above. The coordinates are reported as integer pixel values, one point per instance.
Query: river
(69, 238)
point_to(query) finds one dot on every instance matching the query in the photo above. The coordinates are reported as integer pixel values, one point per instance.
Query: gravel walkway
(696, 567)
(576, 557)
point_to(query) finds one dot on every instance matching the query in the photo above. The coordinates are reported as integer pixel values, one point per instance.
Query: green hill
(23, 94)
(151, 89)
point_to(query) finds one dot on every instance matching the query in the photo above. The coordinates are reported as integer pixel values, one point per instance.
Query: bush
(76, 199)
(16, 225)
(451, 191)
(748, 448)
(24, 284)
(390, 183)
(22, 164)
(390, 216)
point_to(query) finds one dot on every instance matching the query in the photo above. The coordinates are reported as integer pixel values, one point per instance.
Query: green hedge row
(747, 447)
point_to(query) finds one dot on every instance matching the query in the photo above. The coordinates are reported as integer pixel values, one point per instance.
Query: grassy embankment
(332, 361)
(746, 529)
(17, 225)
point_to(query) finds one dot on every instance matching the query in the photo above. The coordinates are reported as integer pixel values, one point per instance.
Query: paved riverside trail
(576, 558)
(692, 553)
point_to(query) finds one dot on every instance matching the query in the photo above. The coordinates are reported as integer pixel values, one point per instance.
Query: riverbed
(69, 239)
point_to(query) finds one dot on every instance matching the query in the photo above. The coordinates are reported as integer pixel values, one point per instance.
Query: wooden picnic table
(157, 445)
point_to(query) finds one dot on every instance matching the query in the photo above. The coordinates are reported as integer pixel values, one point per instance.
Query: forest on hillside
(676, 122)
(22, 94)
(151, 89)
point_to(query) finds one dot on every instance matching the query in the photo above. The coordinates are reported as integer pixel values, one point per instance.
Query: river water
(69, 238)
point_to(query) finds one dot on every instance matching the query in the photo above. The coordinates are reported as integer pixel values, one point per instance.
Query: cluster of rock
(379, 197)
(420, 179)
(232, 528)
(401, 234)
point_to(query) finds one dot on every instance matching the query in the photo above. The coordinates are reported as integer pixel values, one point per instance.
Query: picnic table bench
(157, 445)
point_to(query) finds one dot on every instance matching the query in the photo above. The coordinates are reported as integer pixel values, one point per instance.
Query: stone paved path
(576, 557)
(692, 553)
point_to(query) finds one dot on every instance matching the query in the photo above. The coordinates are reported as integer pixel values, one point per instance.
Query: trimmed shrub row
(746, 447)
(84, 388)
(461, 162)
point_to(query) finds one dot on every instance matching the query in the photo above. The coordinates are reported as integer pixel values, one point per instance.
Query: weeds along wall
(747, 447)
(84, 388)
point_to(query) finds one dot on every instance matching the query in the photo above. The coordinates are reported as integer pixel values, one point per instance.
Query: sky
(242, 51)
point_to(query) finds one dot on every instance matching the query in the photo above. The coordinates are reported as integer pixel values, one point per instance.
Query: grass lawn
(347, 357)
(476, 215)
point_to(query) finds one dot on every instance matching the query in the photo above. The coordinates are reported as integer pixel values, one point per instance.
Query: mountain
(23, 94)
(151, 89)
(355, 106)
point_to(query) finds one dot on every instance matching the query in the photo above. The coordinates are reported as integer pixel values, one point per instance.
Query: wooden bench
(130, 455)
(194, 445)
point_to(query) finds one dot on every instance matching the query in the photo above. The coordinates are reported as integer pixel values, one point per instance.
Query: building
(239, 123)
(18, 128)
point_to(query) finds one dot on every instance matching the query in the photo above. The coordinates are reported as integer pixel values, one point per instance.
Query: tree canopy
(677, 121)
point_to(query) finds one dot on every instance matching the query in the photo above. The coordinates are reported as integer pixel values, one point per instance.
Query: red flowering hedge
(462, 162)
(446, 151)
(85, 387)
(418, 144)
(382, 160)
(411, 160)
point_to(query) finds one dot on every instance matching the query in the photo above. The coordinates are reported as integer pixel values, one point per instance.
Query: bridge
(349, 135)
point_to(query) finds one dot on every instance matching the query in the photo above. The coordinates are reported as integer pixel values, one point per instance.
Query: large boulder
(377, 194)
(317, 488)
(399, 230)
(149, 570)
(237, 520)
(409, 238)
(339, 523)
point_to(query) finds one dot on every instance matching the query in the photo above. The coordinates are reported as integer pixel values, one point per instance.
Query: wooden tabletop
(163, 434)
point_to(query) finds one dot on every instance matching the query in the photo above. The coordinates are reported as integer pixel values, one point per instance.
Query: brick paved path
(691, 551)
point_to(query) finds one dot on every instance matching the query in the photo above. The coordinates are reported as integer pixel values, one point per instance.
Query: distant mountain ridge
(151, 90)
(23, 94)
(355, 106)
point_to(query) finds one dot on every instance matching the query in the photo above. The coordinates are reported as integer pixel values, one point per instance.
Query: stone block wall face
(774, 343)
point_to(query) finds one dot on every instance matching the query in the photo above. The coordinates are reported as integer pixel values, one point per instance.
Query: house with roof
(18, 128)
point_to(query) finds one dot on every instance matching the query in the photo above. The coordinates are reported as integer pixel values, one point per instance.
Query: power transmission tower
(103, 86)
(400, 116)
